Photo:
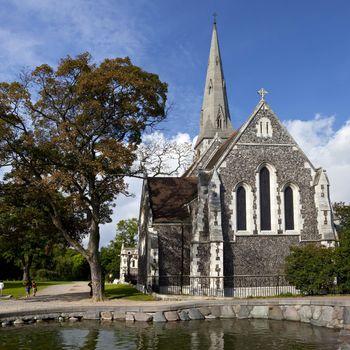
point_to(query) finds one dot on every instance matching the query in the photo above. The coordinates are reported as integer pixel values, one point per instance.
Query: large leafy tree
(71, 133)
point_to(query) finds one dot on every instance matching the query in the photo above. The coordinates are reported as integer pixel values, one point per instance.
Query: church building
(228, 223)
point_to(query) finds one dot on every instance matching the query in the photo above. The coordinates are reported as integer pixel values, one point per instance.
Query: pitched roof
(168, 196)
(221, 150)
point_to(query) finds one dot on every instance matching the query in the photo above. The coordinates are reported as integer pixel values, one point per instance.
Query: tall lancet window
(265, 204)
(289, 208)
(241, 209)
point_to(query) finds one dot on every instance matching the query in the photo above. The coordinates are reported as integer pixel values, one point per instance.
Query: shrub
(342, 262)
(311, 269)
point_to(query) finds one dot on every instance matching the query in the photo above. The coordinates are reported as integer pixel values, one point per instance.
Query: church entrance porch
(239, 286)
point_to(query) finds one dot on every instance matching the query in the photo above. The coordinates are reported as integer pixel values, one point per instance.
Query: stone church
(229, 222)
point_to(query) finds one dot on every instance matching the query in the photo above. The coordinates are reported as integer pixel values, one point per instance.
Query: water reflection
(194, 335)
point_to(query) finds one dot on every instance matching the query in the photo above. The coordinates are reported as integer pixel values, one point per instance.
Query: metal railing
(241, 286)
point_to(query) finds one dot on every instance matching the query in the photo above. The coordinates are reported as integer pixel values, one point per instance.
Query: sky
(297, 50)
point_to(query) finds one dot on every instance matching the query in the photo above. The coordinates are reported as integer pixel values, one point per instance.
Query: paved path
(63, 292)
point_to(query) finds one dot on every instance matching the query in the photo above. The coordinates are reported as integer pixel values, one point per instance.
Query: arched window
(289, 208)
(241, 209)
(219, 122)
(265, 205)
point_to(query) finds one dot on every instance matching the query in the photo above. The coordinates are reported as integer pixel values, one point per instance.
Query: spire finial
(262, 92)
(215, 15)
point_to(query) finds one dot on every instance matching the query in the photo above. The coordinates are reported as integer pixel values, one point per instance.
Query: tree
(342, 251)
(110, 256)
(127, 232)
(72, 133)
(26, 230)
(158, 156)
(310, 268)
(342, 216)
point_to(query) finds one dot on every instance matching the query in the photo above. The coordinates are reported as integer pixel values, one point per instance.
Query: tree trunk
(26, 264)
(95, 263)
(96, 278)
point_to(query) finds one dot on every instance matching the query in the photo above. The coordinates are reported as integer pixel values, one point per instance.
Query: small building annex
(250, 194)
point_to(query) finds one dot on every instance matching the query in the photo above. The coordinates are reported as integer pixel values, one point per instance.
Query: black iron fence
(242, 286)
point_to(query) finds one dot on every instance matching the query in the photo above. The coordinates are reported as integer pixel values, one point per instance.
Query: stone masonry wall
(174, 249)
(264, 254)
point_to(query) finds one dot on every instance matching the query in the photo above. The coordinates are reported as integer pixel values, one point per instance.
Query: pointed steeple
(215, 115)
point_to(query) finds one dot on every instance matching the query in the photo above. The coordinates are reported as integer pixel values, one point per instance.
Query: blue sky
(297, 50)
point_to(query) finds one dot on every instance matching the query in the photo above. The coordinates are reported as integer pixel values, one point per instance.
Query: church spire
(215, 115)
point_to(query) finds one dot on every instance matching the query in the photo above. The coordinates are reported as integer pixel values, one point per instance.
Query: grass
(17, 289)
(125, 291)
(112, 291)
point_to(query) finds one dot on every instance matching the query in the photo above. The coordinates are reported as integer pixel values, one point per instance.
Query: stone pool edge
(331, 314)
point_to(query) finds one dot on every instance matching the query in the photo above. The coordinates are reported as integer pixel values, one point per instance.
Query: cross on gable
(262, 92)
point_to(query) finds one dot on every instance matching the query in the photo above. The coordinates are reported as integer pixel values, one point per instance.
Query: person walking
(28, 285)
(2, 286)
(34, 287)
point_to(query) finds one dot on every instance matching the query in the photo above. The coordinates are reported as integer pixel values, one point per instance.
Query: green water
(201, 335)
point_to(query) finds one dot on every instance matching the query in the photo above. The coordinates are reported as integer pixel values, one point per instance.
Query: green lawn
(112, 291)
(17, 289)
(125, 291)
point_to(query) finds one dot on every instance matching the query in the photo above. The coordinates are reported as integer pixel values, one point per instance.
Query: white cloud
(44, 31)
(327, 148)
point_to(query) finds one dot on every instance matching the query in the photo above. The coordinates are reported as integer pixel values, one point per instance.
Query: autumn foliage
(71, 134)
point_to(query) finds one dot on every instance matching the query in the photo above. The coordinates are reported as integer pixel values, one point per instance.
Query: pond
(194, 335)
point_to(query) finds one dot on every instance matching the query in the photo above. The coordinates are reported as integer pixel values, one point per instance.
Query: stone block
(260, 311)
(227, 312)
(215, 311)
(171, 316)
(91, 315)
(27, 318)
(54, 316)
(143, 317)
(326, 314)
(338, 313)
(347, 315)
(183, 314)
(119, 315)
(159, 317)
(106, 316)
(316, 312)
(210, 317)
(275, 313)
(195, 314)
(73, 319)
(244, 311)
(74, 314)
(291, 314)
(129, 317)
(5, 323)
(305, 313)
(204, 310)
(18, 321)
